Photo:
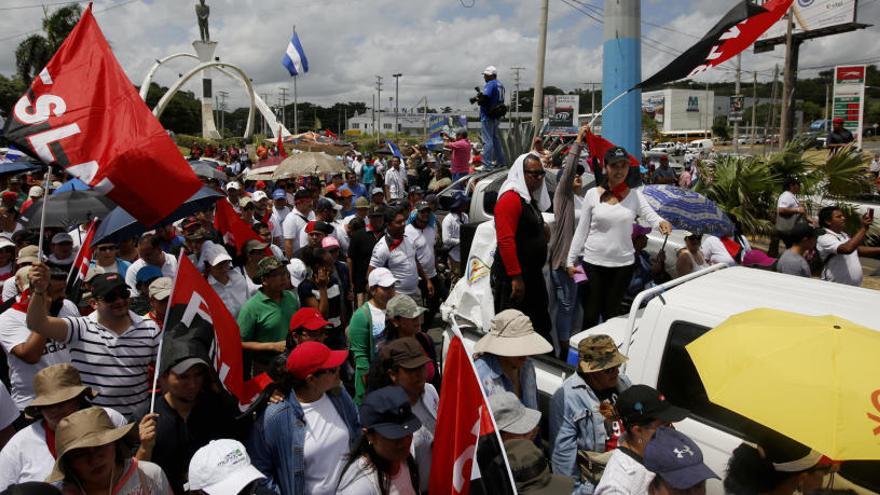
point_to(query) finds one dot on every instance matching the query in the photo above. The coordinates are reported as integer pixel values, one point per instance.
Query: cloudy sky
(440, 46)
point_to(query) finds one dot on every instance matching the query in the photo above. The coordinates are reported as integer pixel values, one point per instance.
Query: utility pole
(265, 97)
(707, 107)
(621, 70)
(827, 103)
(223, 96)
(515, 102)
(789, 78)
(736, 93)
(538, 95)
(592, 97)
(396, 101)
(373, 113)
(283, 101)
(379, 98)
(754, 105)
(771, 117)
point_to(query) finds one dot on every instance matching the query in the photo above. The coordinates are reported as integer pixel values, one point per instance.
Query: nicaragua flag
(394, 150)
(294, 59)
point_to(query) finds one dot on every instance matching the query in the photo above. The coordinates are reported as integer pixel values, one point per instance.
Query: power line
(32, 31)
(41, 5)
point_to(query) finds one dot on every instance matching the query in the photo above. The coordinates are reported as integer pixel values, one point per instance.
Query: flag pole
(295, 100)
(162, 339)
(613, 101)
(43, 213)
(456, 331)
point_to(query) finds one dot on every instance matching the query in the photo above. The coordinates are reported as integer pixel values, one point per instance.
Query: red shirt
(507, 212)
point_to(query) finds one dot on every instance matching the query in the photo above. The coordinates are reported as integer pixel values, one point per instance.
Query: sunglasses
(536, 173)
(114, 296)
(107, 248)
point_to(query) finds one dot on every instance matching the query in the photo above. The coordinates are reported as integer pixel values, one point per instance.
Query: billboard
(655, 106)
(561, 110)
(812, 15)
(737, 102)
(848, 98)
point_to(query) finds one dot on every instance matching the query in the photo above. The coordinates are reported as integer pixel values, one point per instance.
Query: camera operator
(492, 108)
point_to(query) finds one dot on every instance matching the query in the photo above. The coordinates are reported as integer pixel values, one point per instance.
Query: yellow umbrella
(815, 379)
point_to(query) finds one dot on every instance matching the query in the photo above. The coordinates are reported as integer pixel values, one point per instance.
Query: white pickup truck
(655, 333)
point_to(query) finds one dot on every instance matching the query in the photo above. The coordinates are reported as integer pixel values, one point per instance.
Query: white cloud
(438, 45)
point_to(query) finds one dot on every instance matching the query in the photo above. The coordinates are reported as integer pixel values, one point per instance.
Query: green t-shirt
(263, 320)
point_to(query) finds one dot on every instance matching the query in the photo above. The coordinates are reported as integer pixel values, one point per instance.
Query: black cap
(324, 227)
(57, 271)
(105, 283)
(615, 154)
(387, 412)
(302, 193)
(641, 404)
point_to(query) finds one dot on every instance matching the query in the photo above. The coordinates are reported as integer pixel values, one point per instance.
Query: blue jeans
(493, 152)
(566, 298)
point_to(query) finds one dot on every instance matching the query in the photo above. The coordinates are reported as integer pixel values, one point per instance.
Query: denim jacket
(576, 424)
(493, 379)
(277, 441)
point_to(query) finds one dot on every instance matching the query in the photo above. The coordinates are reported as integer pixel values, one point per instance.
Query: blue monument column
(621, 70)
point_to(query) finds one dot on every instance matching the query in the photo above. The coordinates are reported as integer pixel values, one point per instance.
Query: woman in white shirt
(603, 237)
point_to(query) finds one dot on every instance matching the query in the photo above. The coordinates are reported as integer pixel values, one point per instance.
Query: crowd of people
(333, 298)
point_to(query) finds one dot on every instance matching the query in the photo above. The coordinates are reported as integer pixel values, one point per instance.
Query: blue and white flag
(394, 150)
(294, 59)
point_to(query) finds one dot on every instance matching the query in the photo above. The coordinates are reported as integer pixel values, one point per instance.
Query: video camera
(479, 98)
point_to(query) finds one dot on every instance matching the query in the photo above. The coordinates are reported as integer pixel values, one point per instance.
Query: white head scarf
(516, 181)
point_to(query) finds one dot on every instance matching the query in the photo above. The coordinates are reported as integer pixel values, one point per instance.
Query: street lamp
(396, 100)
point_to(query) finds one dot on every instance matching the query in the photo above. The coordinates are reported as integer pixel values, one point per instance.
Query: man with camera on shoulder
(492, 109)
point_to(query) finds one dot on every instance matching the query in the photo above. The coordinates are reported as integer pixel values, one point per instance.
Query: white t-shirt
(293, 224)
(841, 268)
(14, 332)
(234, 294)
(326, 446)
(401, 262)
(10, 290)
(8, 412)
(377, 317)
(451, 229)
(395, 181)
(623, 474)
(714, 251)
(276, 221)
(604, 231)
(169, 269)
(27, 458)
(787, 200)
(401, 483)
(424, 240)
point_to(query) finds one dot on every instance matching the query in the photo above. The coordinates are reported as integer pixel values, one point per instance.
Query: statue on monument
(202, 13)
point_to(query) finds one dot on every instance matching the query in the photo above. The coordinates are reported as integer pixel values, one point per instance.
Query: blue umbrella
(19, 167)
(119, 224)
(72, 185)
(687, 210)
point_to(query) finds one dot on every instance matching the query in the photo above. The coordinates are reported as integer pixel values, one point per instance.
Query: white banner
(810, 15)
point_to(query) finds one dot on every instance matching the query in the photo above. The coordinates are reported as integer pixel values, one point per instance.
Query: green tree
(11, 89)
(36, 50)
(183, 115)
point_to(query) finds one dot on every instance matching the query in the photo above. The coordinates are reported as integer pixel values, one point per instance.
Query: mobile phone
(871, 213)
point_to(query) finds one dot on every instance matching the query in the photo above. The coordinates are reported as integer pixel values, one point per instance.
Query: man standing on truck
(583, 428)
(490, 100)
(517, 272)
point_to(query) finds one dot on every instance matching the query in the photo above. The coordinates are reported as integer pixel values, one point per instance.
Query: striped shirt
(114, 365)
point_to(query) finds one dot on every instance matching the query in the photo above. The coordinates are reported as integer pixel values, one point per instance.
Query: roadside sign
(737, 102)
(561, 110)
(849, 98)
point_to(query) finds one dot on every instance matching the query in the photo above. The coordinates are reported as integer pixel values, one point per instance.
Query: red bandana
(619, 191)
(50, 439)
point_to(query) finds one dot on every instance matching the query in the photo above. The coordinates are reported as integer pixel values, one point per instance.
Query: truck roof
(734, 290)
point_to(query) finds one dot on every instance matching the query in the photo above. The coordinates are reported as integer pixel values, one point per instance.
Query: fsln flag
(736, 31)
(234, 230)
(83, 114)
(598, 146)
(80, 266)
(198, 324)
(467, 456)
(281, 151)
(294, 59)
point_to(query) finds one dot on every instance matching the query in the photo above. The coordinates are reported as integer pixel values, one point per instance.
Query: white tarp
(470, 300)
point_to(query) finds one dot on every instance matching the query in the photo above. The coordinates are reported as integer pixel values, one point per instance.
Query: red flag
(83, 114)
(281, 151)
(80, 266)
(598, 146)
(197, 314)
(463, 421)
(226, 221)
(330, 134)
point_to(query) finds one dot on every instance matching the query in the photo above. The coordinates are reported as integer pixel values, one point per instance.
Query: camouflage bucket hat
(598, 353)
(267, 265)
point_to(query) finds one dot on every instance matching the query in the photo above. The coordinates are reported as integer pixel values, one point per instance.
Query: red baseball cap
(310, 357)
(837, 120)
(308, 318)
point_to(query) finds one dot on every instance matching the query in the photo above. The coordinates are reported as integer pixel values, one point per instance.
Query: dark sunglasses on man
(113, 296)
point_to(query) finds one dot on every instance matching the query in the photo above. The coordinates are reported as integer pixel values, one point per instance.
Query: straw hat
(56, 384)
(512, 335)
(86, 428)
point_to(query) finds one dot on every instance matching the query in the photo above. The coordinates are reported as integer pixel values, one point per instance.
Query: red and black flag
(468, 456)
(81, 263)
(735, 32)
(83, 114)
(234, 230)
(198, 325)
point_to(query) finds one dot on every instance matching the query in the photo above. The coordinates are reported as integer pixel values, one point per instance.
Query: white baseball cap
(297, 270)
(259, 196)
(217, 255)
(35, 191)
(490, 71)
(233, 185)
(220, 468)
(381, 277)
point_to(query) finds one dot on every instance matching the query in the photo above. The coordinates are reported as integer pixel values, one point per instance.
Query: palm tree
(36, 50)
(745, 188)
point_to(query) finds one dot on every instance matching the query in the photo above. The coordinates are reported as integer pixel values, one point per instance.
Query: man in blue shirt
(493, 94)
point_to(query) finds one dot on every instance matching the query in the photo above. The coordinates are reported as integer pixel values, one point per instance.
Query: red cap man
(310, 357)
